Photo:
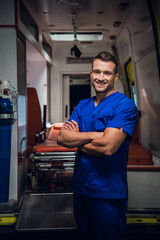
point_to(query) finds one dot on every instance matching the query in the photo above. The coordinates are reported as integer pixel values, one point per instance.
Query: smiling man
(103, 76)
(101, 128)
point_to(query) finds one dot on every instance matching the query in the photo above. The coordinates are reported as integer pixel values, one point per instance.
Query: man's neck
(101, 96)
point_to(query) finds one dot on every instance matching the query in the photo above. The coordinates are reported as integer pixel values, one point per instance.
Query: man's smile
(101, 83)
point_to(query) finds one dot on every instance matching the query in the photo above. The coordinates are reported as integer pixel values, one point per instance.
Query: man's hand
(72, 126)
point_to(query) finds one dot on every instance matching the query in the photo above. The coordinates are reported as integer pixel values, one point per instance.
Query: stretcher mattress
(50, 144)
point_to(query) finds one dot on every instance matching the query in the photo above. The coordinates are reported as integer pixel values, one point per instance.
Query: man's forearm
(71, 139)
(94, 149)
(107, 145)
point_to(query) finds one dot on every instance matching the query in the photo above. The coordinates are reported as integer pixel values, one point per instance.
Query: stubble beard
(107, 89)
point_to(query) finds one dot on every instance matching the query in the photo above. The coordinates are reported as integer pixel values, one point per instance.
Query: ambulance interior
(55, 43)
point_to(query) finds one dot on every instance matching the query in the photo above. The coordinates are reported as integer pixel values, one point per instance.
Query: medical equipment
(6, 121)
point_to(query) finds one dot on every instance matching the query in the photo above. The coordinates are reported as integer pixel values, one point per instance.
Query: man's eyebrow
(106, 71)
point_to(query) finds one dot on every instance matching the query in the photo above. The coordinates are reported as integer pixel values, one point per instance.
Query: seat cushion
(138, 155)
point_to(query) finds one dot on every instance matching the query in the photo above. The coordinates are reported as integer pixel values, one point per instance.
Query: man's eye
(96, 72)
(108, 73)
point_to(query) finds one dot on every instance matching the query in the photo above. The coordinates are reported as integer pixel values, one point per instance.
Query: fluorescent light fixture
(81, 36)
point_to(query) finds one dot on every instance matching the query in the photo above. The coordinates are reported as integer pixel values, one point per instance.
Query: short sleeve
(125, 116)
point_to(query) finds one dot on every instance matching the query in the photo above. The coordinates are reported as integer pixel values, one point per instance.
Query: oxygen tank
(6, 121)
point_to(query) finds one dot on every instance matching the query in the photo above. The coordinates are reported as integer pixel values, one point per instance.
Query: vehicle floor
(133, 233)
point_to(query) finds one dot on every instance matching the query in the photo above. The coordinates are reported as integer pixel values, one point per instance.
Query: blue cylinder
(6, 121)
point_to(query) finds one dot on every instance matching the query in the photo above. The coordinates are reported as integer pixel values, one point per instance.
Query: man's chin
(106, 90)
(101, 90)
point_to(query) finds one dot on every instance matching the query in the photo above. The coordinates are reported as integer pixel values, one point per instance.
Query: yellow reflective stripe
(8, 220)
(133, 220)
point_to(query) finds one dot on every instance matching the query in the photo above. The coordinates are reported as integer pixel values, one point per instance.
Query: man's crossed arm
(92, 143)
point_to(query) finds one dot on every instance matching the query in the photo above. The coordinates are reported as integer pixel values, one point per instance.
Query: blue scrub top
(104, 177)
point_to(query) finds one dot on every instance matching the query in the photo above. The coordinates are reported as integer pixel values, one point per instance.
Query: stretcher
(48, 206)
(52, 164)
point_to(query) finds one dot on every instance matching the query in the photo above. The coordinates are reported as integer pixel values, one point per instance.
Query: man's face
(103, 76)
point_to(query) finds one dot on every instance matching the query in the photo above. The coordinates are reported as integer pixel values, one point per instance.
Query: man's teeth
(101, 83)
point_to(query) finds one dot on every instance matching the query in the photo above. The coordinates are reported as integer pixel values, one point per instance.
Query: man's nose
(101, 76)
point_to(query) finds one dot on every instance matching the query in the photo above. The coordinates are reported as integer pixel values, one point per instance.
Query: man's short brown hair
(106, 57)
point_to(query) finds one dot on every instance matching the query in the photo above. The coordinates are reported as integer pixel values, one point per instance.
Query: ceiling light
(100, 12)
(117, 24)
(71, 3)
(123, 6)
(112, 37)
(81, 36)
(45, 12)
(145, 19)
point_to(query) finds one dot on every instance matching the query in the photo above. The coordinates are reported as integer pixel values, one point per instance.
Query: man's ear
(116, 77)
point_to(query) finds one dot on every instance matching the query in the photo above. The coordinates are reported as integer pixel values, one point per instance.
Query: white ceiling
(93, 15)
